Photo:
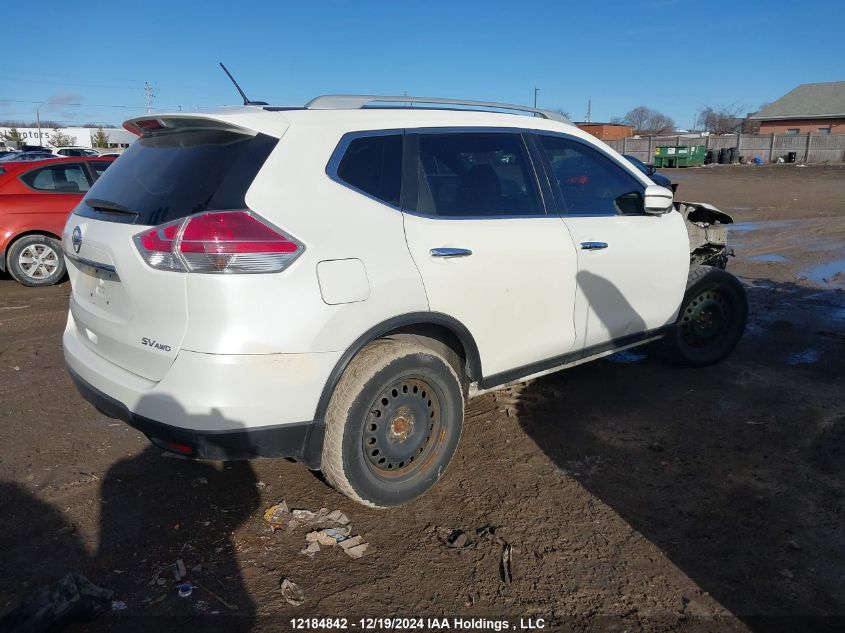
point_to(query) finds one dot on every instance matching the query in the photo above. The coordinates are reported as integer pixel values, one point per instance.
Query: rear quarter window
(171, 175)
(373, 165)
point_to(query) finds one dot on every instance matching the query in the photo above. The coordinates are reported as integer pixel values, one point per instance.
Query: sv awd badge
(149, 342)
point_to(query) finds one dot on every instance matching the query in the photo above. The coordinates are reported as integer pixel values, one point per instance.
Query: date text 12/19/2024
(416, 624)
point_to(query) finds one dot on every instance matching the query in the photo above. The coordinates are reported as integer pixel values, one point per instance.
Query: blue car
(656, 177)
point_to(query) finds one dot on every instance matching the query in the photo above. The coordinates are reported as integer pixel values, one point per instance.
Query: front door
(488, 253)
(632, 267)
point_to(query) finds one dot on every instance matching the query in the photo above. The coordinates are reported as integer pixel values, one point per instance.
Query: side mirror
(651, 169)
(657, 200)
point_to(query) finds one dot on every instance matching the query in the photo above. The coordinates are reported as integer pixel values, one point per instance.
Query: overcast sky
(89, 61)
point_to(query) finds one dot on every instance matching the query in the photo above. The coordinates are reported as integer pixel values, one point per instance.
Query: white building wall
(81, 135)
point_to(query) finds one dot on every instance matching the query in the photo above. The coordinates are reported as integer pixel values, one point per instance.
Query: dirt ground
(629, 494)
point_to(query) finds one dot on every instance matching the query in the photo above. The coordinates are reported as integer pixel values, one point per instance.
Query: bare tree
(649, 122)
(721, 119)
(8, 123)
(563, 112)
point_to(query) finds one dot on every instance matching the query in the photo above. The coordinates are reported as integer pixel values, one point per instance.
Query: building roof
(807, 101)
(582, 123)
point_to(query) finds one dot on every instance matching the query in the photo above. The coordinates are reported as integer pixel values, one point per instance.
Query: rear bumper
(212, 406)
(300, 441)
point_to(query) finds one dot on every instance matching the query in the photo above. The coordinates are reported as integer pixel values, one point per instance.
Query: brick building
(607, 131)
(815, 108)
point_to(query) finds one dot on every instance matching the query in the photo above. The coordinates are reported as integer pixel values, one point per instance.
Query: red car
(35, 200)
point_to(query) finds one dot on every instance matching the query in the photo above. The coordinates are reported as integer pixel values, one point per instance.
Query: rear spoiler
(147, 125)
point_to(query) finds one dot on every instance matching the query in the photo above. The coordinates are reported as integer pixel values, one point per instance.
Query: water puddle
(807, 357)
(768, 257)
(826, 272)
(745, 227)
(627, 357)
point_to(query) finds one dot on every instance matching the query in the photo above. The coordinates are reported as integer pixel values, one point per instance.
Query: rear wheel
(393, 423)
(36, 260)
(711, 320)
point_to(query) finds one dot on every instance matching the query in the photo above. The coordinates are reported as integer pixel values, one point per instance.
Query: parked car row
(55, 152)
(36, 197)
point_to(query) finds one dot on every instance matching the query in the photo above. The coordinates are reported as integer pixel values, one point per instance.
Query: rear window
(171, 175)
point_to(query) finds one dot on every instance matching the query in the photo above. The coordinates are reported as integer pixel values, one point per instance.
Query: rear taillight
(218, 242)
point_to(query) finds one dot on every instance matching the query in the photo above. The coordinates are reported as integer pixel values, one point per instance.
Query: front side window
(65, 178)
(373, 164)
(589, 182)
(475, 175)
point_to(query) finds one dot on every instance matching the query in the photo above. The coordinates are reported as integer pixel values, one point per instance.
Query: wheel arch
(426, 324)
(421, 323)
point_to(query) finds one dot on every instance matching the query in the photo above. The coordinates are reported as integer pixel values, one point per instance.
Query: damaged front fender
(708, 235)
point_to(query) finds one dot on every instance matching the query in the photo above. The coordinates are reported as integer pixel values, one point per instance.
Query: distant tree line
(51, 124)
(714, 119)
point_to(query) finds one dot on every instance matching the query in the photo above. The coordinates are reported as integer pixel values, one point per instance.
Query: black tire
(711, 319)
(36, 260)
(376, 451)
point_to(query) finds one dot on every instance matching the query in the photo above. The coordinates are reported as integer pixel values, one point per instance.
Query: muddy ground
(634, 496)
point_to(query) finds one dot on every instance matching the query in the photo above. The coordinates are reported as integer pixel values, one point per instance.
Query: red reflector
(160, 239)
(179, 448)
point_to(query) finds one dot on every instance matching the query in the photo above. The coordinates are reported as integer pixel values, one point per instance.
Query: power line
(92, 105)
(75, 85)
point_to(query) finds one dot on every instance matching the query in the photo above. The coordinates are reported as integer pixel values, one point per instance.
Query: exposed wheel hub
(706, 319)
(402, 428)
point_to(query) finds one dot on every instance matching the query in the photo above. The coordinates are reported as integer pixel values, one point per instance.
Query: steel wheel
(711, 319)
(402, 429)
(706, 319)
(393, 423)
(38, 261)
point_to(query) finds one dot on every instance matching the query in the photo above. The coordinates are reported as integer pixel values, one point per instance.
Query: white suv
(331, 283)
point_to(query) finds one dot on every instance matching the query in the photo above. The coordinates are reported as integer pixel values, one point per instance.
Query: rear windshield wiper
(107, 206)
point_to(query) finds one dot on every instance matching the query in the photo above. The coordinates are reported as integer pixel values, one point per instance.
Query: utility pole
(149, 95)
(38, 122)
(536, 92)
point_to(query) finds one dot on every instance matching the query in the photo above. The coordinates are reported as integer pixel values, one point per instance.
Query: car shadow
(736, 471)
(189, 511)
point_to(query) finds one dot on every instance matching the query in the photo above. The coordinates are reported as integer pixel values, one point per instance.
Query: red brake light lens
(158, 246)
(218, 241)
(149, 124)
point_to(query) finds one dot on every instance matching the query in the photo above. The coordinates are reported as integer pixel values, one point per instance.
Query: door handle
(450, 252)
(593, 246)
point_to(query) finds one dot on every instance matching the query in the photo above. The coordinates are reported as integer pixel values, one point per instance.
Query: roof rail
(356, 102)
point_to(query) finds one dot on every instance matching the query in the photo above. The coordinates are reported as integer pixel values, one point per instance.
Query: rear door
(632, 267)
(488, 253)
(131, 314)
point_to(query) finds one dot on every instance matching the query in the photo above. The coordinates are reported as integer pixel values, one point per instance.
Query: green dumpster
(679, 155)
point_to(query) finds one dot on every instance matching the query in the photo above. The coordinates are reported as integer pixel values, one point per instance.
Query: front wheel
(393, 423)
(36, 260)
(711, 319)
